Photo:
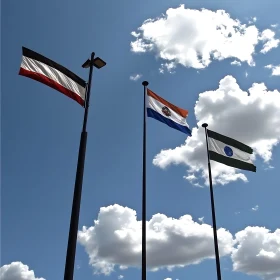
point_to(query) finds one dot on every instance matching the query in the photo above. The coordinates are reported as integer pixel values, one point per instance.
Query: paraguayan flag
(163, 111)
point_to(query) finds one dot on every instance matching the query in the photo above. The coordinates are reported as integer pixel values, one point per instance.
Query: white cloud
(269, 167)
(115, 239)
(120, 277)
(274, 25)
(168, 279)
(254, 19)
(275, 69)
(201, 220)
(268, 36)
(256, 208)
(246, 74)
(237, 212)
(133, 33)
(194, 38)
(17, 271)
(257, 252)
(235, 62)
(169, 67)
(191, 178)
(252, 118)
(135, 77)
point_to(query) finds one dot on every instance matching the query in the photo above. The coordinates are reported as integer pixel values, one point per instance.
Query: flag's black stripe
(230, 141)
(232, 162)
(31, 54)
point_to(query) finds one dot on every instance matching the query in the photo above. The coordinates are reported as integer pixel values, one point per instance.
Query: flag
(46, 71)
(165, 112)
(229, 151)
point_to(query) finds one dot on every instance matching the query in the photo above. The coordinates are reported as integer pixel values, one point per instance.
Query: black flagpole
(73, 231)
(218, 268)
(145, 83)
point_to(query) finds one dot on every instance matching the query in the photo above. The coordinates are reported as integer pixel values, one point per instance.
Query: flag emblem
(166, 111)
(228, 151)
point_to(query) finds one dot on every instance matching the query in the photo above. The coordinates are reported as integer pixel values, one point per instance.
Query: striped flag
(46, 71)
(163, 111)
(229, 151)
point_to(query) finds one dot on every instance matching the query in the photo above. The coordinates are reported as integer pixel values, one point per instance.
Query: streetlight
(72, 238)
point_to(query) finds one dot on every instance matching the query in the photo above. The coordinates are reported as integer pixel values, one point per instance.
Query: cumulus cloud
(274, 25)
(115, 239)
(17, 271)
(269, 167)
(135, 77)
(252, 118)
(255, 208)
(268, 37)
(167, 67)
(235, 62)
(275, 69)
(120, 277)
(257, 252)
(254, 19)
(201, 220)
(194, 38)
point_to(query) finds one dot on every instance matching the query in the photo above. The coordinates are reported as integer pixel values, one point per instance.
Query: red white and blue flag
(165, 112)
(46, 71)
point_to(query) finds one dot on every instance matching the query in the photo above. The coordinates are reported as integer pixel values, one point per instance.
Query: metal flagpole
(72, 238)
(145, 84)
(218, 268)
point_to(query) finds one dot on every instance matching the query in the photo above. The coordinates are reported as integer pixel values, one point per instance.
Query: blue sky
(41, 131)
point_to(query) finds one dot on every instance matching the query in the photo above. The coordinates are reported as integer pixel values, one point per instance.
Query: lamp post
(74, 223)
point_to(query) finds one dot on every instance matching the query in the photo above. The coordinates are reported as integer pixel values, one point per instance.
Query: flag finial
(145, 83)
(205, 125)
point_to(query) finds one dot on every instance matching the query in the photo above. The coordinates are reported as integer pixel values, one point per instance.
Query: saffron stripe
(176, 109)
(153, 114)
(51, 83)
(31, 54)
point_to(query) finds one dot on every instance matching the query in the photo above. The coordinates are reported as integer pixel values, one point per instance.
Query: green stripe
(232, 162)
(230, 141)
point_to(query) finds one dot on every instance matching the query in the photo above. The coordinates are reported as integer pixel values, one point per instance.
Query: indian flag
(46, 71)
(229, 151)
(165, 112)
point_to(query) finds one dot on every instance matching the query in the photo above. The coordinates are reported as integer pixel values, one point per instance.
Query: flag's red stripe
(51, 83)
(176, 109)
(40, 58)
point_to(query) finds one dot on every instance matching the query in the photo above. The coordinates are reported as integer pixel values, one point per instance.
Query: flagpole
(74, 223)
(218, 268)
(144, 263)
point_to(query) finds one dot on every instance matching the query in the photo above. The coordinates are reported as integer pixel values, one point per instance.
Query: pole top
(145, 83)
(205, 125)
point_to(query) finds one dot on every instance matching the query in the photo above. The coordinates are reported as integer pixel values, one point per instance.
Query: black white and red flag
(44, 70)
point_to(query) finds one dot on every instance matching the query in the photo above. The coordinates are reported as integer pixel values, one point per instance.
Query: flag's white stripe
(218, 147)
(52, 73)
(157, 106)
